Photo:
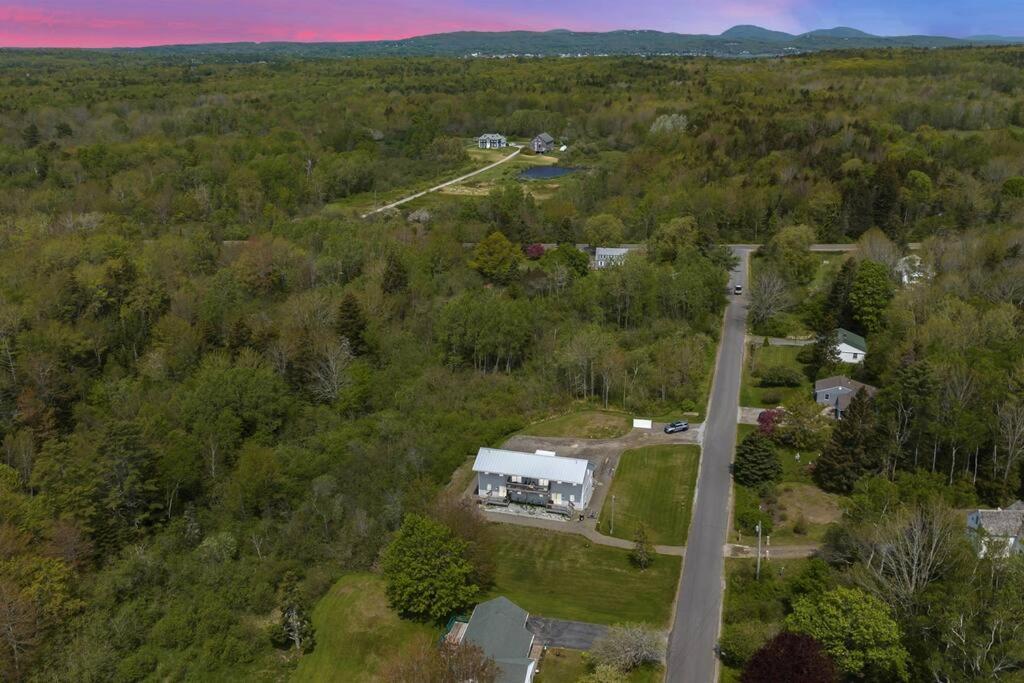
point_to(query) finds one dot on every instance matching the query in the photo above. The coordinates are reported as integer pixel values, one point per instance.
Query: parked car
(677, 426)
(738, 289)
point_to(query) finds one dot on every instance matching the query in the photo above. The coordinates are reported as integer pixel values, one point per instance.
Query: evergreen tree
(395, 277)
(351, 323)
(756, 463)
(853, 450)
(824, 352)
(30, 135)
(642, 554)
(837, 303)
(870, 294)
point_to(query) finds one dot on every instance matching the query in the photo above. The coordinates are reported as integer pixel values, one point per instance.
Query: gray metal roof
(550, 467)
(610, 252)
(491, 136)
(544, 137)
(1002, 523)
(498, 627)
(839, 381)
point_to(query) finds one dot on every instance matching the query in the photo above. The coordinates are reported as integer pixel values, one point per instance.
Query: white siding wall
(848, 354)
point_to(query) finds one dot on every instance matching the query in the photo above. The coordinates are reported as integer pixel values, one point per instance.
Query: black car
(677, 426)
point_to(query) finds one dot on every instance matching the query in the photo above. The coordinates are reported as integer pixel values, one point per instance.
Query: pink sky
(107, 23)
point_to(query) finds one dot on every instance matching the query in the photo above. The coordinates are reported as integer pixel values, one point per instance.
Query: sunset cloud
(90, 23)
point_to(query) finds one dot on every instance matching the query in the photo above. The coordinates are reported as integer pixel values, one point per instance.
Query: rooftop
(855, 340)
(544, 137)
(498, 627)
(550, 467)
(1004, 523)
(844, 382)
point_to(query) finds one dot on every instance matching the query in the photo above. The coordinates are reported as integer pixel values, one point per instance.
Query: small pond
(546, 172)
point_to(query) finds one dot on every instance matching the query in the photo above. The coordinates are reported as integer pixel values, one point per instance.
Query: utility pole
(613, 516)
(758, 551)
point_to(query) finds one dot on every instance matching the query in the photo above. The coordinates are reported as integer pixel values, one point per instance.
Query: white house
(563, 485)
(911, 270)
(492, 141)
(999, 530)
(609, 256)
(850, 347)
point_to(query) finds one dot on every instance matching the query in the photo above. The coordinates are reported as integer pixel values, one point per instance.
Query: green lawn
(586, 424)
(653, 485)
(355, 632)
(755, 396)
(566, 666)
(561, 575)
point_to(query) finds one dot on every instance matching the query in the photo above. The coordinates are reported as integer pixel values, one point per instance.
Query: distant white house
(999, 531)
(563, 485)
(911, 270)
(492, 141)
(609, 256)
(850, 347)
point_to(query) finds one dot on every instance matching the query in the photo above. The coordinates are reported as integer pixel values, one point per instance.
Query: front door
(501, 491)
(556, 498)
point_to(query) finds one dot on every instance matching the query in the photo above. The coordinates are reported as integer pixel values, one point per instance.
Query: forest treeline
(219, 388)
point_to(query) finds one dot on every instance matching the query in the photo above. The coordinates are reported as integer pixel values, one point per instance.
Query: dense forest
(220, 388)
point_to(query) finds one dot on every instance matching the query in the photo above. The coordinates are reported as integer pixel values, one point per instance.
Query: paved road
(698, 611)
(444, 185)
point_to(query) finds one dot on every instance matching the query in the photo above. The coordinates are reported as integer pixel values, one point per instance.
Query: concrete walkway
(458, 180)
(748, 416)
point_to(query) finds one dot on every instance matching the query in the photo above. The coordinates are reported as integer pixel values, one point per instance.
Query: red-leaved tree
(790, 658)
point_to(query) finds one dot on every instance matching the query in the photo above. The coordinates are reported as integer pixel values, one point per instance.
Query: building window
(488, 487)
(855, 356)
(572, 498)
(543, 482)
(516, 479)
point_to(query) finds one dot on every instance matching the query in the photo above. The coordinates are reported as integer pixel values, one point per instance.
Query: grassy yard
(801, 512)
(653, 485)
(586, 424)
(561, 575)
(753, 395)
(566, 666)
(355, 632)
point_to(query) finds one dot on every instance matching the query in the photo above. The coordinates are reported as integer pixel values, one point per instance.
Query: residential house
(563, 485)
(498, 628)
(542, 143)
(837, 392)
(911, 270)
(850, 347)
(492, 141)
(1000, 531)
(609, 256)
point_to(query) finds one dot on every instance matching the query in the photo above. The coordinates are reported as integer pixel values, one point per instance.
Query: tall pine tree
(853, 450)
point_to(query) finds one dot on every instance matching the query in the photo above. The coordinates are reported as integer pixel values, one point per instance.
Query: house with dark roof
(542, 143)
(997, 531)
(563, 485)
(850, 347)
(498, 628)
(837, 392)
(492, 141)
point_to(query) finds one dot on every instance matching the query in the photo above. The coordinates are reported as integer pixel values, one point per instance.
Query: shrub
(748, 514)
(628, 647)
(780, 376)
(740, 641)
(790, 657)
(800, 526)
(806, 354)
(771, 398)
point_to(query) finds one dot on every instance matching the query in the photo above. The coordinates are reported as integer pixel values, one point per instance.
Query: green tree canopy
(428, 575)
(870, 293)
(856, 630)
(497, 259)
(756, 463)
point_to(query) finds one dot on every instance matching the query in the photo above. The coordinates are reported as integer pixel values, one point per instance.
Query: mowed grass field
(653, 485)
(554, 574)
(586, 424)
(755, 396)
(567, 666)
(356, 632)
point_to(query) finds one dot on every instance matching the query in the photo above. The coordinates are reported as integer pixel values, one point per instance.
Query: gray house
(560, 484)
(492, 141)
(542, 143)
(837, 392)
(609, 256)
(498, 628)
(998, 531)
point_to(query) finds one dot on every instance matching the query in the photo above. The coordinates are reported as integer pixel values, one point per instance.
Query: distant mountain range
(738, 41)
